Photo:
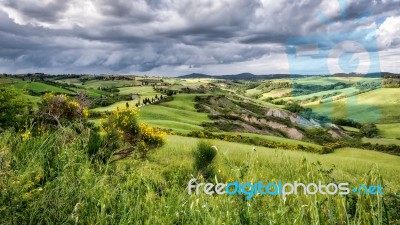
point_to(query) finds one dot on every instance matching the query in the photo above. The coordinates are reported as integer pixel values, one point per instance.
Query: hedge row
(328, 148)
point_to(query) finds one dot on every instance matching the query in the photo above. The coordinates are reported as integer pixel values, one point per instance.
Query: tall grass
(50, 179)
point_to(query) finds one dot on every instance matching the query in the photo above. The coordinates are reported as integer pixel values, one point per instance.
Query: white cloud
(388, 33)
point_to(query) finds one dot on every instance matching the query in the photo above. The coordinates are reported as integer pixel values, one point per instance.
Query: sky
(177, 37)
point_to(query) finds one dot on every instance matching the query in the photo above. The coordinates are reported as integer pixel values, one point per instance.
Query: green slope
(379, 106)
(179, 114)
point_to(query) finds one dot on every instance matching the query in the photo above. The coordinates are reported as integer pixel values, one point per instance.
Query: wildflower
(85, 113)
(26, 135)
(73, 104)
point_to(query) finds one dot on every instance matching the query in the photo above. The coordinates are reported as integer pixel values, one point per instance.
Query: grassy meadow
(68, 188)
(380, 106)
(179, 115)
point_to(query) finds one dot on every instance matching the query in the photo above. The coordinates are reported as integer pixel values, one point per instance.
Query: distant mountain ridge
(240, 76)
(250, 76)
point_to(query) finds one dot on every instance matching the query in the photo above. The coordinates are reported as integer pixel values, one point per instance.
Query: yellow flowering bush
(123, 125)
(151, 136)
(59, 107)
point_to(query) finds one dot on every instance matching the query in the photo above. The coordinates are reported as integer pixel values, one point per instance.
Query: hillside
(244, 116)
(378, 106)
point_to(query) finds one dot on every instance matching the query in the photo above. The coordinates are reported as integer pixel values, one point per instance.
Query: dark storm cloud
(98, 36)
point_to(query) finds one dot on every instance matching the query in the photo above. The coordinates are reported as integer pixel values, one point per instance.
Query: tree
(14, 108)
(294, 107)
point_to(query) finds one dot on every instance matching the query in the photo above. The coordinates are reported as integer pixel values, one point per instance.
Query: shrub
(319, 136)
(204, 155)
(369, 130)
(96, 148)
(61, 109)
(123, 125)
(153, 137)
(13, 108)
(293, 107)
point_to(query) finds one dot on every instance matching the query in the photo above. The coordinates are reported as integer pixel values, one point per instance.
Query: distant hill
(250, 76)
(240, 76)
(195, 75)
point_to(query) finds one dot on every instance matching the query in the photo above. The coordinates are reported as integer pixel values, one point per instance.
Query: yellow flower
(48, 96)
(26, 135)
(73, 104)
(85, 113)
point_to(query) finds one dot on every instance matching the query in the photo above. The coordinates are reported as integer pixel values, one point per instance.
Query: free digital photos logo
(279, 188)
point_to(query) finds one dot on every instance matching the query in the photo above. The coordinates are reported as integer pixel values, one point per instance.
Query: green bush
(293, 107)
(204, 155)
(14, 108)
(369, 130)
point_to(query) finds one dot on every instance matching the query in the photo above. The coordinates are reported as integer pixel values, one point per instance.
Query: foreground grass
(52, 181)
(349, 162)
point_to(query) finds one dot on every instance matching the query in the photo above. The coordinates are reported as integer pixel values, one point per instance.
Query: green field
(379, 106)
(179, 115)
(94, 93)
(135, 90)
(37, 87)
(254, 91)
(74, 81)
(381, 141)
(352, 129)
(390, 130)
(4, 80)
(101, 83)
(274, 139)
(277, 93)
(319, 80)
(344, 91)
(144, 92)
(193, 82)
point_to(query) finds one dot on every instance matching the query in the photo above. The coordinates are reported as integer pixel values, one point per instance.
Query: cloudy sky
(176, 37)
